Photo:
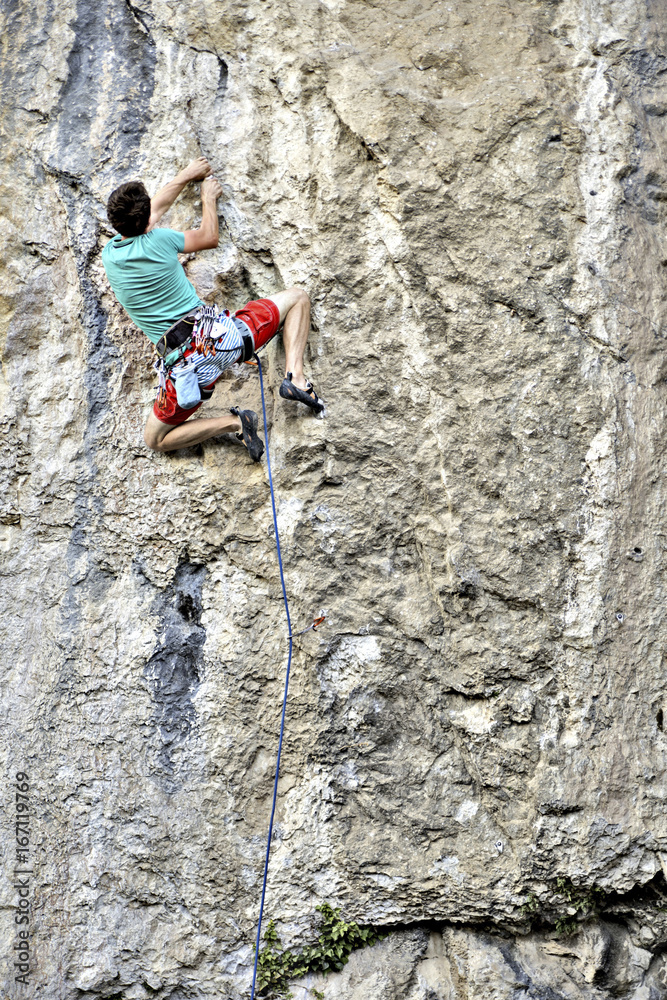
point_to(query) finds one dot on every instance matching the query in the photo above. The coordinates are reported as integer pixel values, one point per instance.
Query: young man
(149, 282)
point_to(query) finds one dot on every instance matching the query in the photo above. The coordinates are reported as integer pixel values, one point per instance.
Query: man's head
(129, 208)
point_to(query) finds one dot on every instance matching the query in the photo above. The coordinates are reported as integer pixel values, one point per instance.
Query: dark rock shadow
(174, 670)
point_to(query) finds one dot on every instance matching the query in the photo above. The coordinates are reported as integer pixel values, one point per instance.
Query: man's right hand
(211, 189)
(207, 236)
(166, 196)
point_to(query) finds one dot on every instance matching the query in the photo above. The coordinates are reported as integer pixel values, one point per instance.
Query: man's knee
(152, 435)
(289, 299)
(151, 440)
(294, 297)
(301, 297)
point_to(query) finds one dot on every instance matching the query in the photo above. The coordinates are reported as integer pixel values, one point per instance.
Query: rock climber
(195, 342)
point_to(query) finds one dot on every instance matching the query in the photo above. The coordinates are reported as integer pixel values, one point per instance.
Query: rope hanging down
(289, 663)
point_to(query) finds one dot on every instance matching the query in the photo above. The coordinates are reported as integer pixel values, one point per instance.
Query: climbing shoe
(308, 395)
(249, 434)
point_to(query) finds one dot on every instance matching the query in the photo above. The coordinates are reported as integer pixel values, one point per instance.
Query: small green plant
(318, 994)
(586, 902)
(336, 940)
(566, 926)
(569, 909)
(531, 906)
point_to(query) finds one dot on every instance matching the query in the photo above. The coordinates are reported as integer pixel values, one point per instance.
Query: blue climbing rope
(289, 663)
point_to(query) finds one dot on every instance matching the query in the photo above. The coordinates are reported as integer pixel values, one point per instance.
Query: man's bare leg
(294, 306)
(165, 437)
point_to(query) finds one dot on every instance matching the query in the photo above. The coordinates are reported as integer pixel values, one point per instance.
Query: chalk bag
(187, 386)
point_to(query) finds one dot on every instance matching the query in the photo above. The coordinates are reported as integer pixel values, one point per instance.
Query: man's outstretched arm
(207, 236)
(167, 195)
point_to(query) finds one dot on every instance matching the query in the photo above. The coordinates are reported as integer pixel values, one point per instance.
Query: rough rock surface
(473, 195)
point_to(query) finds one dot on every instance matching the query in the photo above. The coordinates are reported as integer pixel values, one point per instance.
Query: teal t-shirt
(149, 281)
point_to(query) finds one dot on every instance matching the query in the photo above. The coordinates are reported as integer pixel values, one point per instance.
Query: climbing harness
(202, 340)
(214, 340)
(178, 335)
(289, 663)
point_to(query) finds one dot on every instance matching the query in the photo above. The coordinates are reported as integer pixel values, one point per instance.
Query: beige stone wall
(473, 195)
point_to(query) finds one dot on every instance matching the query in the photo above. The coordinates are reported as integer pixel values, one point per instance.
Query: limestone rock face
(473, 195)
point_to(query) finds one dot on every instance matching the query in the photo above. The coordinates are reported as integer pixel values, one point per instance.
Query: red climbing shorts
(263, 318)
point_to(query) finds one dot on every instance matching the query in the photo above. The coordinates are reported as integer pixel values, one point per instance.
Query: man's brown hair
(129, 208)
